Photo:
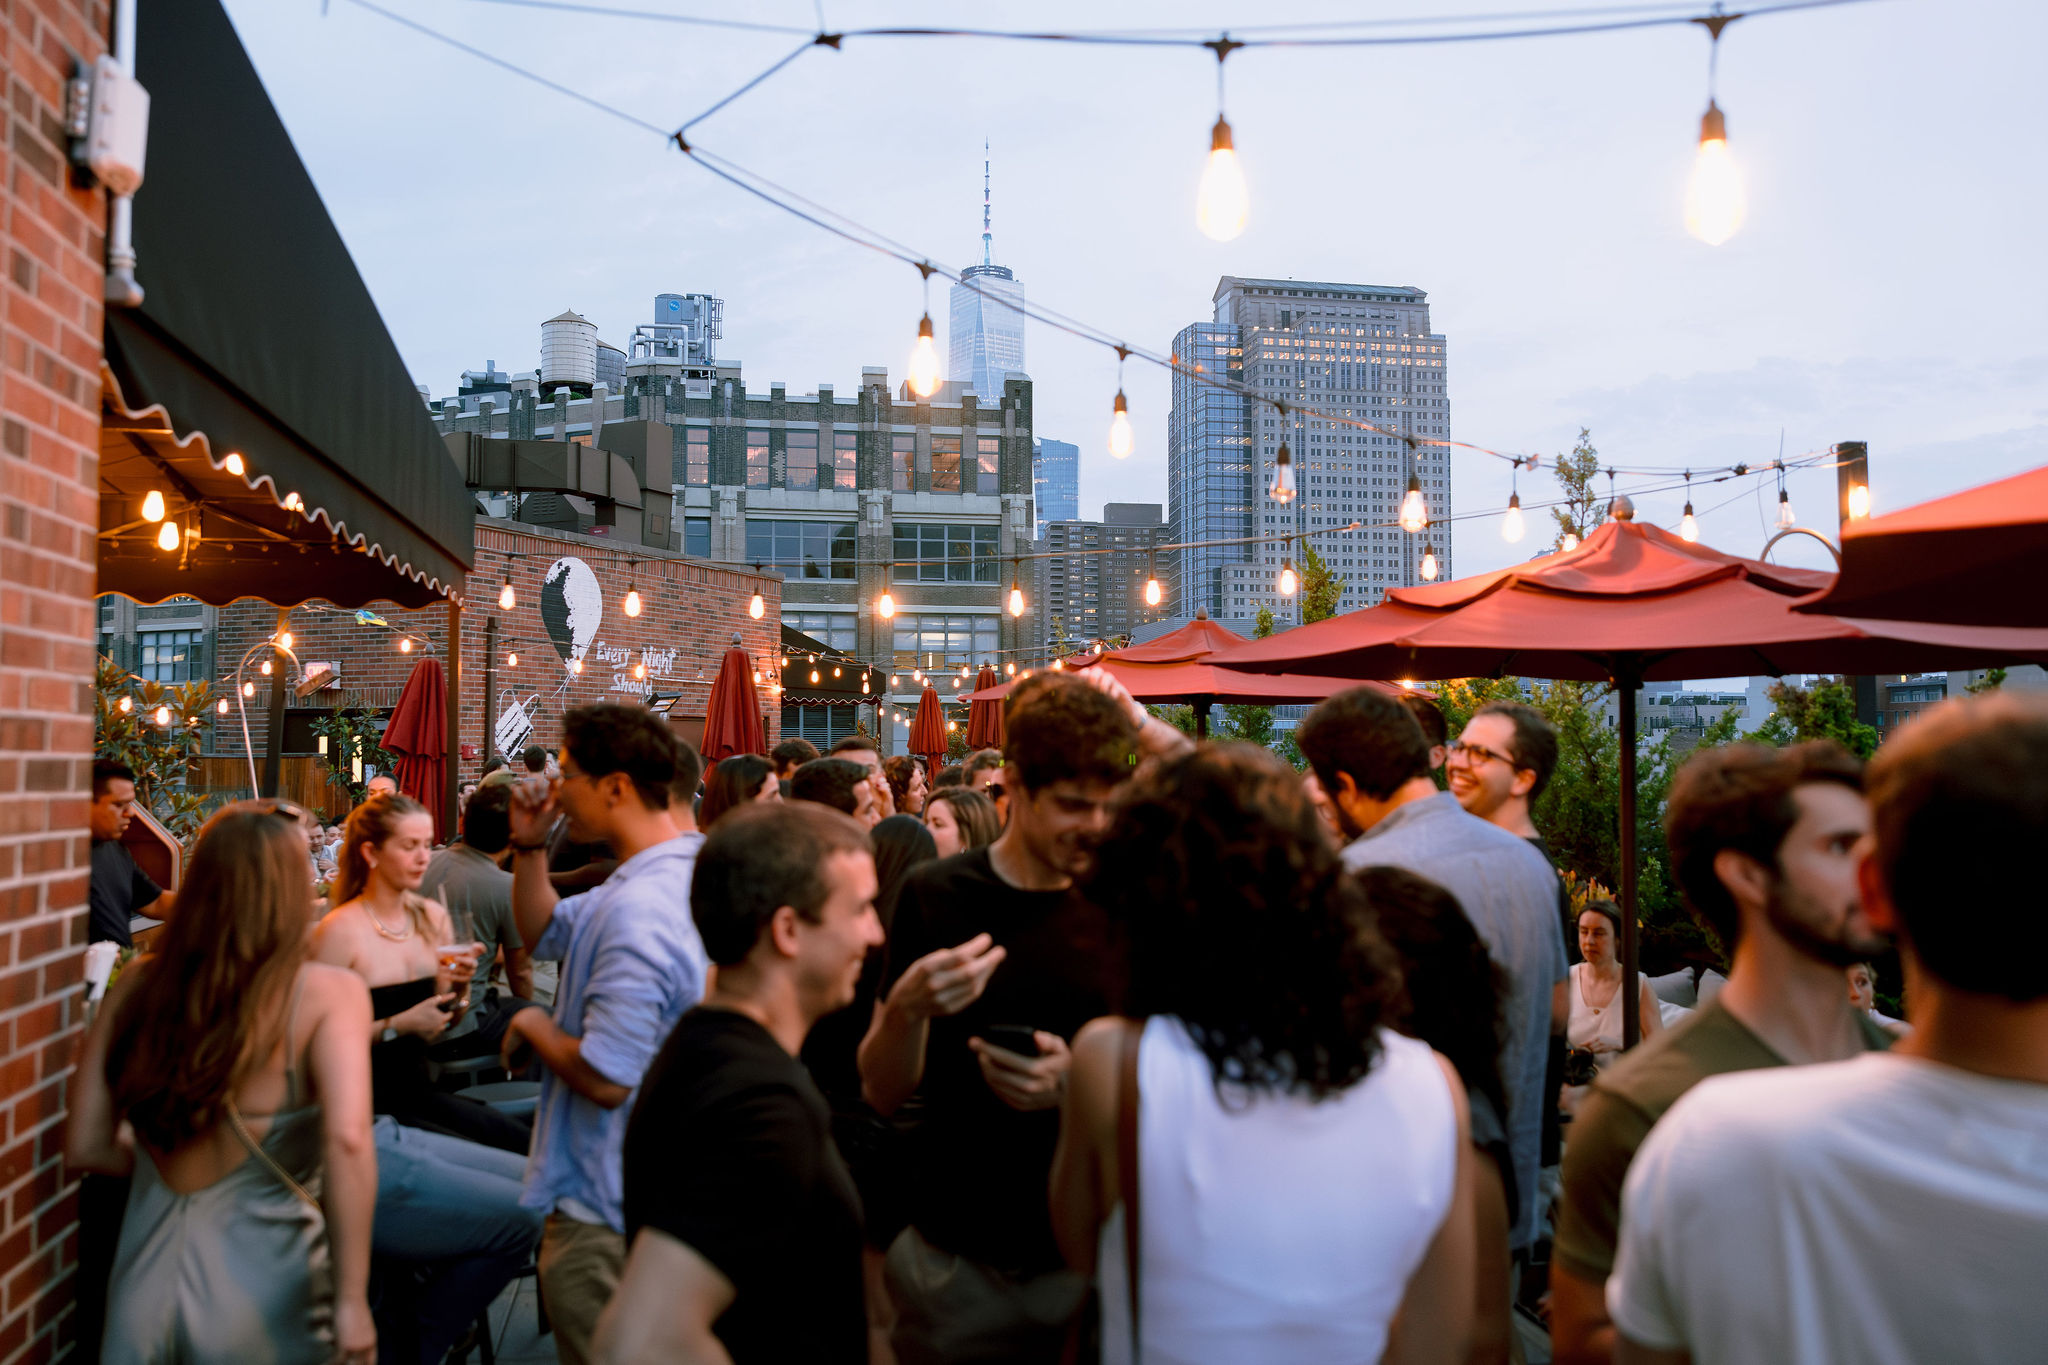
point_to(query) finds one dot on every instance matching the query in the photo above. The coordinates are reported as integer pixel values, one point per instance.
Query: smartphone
(1018, 1038)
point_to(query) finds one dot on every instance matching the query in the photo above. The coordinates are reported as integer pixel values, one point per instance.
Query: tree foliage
(1263, 625)
(164, 757)
(351, 731)
(1321, 590)
(1575, 474)
(1827, 710)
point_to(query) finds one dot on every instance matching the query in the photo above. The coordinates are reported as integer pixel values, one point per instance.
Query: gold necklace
(378, 925)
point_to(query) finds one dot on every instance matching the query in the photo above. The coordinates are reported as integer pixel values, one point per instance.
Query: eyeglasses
(1476, 753)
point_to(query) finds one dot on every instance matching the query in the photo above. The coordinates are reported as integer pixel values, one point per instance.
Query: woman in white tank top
(1301, 1171)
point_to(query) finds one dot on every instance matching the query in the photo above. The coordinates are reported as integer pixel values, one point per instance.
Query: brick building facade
(690, 611)
(49, 431)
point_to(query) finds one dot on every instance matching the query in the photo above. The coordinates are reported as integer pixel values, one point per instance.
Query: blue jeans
(450, 1209)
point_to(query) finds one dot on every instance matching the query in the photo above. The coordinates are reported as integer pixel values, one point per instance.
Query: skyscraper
(985, 336)
(1359, 352)
(1056, 481)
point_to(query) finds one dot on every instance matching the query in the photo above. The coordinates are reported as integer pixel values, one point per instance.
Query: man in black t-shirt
(994, 963)
(744, 1226)
(119, 890)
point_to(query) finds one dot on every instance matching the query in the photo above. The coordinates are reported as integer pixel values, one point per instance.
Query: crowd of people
(1108, 1046)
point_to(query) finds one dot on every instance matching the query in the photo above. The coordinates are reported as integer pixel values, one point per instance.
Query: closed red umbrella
(928, 731)
(1972, 558)
(418, 734)
(984, 718)
(732, 715)
(1633, 602)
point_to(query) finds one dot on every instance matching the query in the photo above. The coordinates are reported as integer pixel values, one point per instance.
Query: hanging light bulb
(293, 502)
(284, 640)
(1714, 201)
(507, 599)
(756, 607)
(640, 671)
(1222, 201)
(1282, 490)
(951, 726)
(127, 705)
(1569, 543)
(863, 684)
(632, 603)
(1414, 515)
(221, 706)
(1429, 563)
(1511, 525)
(248, 690)
(757, 677)
(924, 360)
(1016, 598)
(233, 464)
(167, 538)
(917, 675)
(266, 670)
(153, 506)
(1120, 435)
(1785, 517)
(835, 671)
(163, 716)
(814, 675)
(1689, 525)
(405, 644)
(512, 659)
(1059, 665)
(1152, 593)
(1859, 501)
(885, 605)
(1289, 581)
(892, 681)
(1011, 668)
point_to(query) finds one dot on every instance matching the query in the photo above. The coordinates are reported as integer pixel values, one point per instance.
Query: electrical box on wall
(117, 128)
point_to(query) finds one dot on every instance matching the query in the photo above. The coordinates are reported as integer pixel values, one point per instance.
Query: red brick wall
(688, 606)
(51, 237)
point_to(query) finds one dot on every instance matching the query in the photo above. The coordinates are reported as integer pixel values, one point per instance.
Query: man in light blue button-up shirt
(631, 964)
(1372, 761)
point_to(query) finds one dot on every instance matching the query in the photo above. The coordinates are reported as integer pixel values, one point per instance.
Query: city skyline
(1554, 251)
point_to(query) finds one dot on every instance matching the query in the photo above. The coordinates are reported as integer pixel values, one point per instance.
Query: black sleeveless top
(399, 1081)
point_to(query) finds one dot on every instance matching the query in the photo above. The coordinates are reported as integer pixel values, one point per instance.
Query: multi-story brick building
(1092, 578)
(1355, 352)
(845, 495)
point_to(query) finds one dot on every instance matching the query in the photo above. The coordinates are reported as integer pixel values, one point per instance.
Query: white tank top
(1586, 1023)
(1280, 1230)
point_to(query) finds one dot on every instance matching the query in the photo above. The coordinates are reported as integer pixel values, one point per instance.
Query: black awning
(256, 337)
(844, 690)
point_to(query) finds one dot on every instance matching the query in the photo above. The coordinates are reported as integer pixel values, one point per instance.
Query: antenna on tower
(987, 256)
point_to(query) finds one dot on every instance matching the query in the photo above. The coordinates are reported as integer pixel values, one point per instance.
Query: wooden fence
(302, 779)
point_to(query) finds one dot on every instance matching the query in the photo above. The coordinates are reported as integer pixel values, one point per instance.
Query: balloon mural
(571, 606)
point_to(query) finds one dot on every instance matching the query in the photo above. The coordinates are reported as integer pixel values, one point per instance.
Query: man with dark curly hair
(994, 963)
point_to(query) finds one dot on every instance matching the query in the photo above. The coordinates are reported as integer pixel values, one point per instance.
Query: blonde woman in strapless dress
(230, 1077)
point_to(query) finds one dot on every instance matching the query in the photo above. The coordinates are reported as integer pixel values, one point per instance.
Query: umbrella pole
(1201, 720)
(1628, 677)
(451, 767)
(273, 724)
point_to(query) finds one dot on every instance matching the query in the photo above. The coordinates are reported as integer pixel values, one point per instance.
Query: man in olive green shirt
(1763, 844)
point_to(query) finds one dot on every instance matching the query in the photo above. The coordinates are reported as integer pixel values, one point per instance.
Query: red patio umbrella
(928, 731)
(1633, 602)
(418, 734)
(1201, 685)
(1973, 558)
(732, 715)
(1198, 639)
(984, 718)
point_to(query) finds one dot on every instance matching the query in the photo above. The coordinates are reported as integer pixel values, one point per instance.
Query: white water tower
(568, 351)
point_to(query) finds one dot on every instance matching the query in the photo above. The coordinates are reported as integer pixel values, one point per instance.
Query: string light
(1511, 528)
(756, 608)
(1016, 592)
(248, 690)
(221, 706)
(153, 506)
(1222, 201)
(1414, 513)
(1289, 581)
(1428, 563)
(292, 502)
(1689, 525)
(1785, 518)
(1569, 543)
(1011, 669)
(266, 670)
(507, 599)
(1121, 439)
(512, 659)
(1152, 592)
(1859, 501)
(405, 644)
(127, 705)
(163, 716)
(885, 605)
(167, 538)
(892, 682)
(284, 640)
(1282, 490)
(640, 671)
(233, 464)
(814, 675)
(835, 671)
(632, 603)
(924, 356)
(1714, 200)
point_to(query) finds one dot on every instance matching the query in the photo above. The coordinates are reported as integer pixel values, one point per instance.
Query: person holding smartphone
(995, 961)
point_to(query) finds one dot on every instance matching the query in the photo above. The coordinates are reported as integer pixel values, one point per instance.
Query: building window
(821, 725)
(945, 463)
(170, 656)
(757, 459)
(844, 449)
(803, 460)
(697, 537)
(902, 460)
(834, 628)
(802, 549)
(946, 554)
(697, 456)
(987, 450)
(942, 642)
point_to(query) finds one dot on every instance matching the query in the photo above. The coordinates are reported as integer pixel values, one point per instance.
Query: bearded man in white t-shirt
(1893, 1208)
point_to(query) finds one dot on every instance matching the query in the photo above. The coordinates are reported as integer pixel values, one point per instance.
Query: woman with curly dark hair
(906, 783)
(1452, 994)
(735, 782)
(1299, 1183)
